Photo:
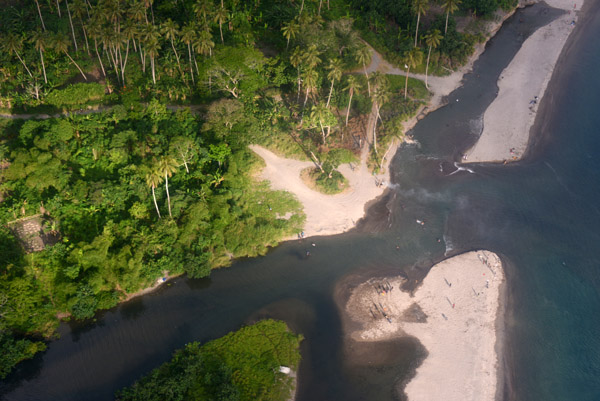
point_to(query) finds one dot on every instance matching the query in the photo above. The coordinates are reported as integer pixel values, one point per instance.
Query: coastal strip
(521, 87)
(455, 313)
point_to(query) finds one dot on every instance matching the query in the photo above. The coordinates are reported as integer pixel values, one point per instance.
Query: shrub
(75, 95)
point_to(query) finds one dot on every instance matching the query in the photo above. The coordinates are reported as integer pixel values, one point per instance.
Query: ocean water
(542, 215)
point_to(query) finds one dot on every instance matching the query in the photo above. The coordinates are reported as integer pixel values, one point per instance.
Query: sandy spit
(522, 84)
(454, 314)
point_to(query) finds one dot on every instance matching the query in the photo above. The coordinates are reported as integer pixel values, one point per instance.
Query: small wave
(448, 243)
(460, 168)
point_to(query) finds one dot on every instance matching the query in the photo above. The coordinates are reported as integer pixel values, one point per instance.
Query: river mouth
(540, 218)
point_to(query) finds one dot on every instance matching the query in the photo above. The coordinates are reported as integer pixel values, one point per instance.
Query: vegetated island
(456, 313)
(123, 151)
(257, 362)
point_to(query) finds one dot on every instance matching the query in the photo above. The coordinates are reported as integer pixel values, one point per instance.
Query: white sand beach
(454, 314)
(325, 214)
(508, 120)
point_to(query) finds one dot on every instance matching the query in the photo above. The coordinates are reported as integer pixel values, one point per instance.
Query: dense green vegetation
(146, 186)
(243, 365)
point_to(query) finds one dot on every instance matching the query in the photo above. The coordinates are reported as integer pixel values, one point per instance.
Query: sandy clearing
(460, 297)
(325, 214)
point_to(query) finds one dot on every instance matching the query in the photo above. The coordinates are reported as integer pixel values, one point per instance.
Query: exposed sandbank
(521, 87)
(454, 314)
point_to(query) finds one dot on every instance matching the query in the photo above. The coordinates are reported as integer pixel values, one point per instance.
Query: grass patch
(328, 184)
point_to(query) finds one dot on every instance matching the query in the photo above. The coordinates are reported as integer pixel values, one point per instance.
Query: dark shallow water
(542, 215)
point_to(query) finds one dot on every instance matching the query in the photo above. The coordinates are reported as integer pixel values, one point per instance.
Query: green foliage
(15, 351)
(89, 173)
(243, 365)
(75, 95)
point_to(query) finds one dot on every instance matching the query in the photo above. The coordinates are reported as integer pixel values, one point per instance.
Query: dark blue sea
(541, 215)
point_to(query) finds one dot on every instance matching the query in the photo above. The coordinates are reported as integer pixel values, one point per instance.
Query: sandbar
(456, 313)
(521, 87)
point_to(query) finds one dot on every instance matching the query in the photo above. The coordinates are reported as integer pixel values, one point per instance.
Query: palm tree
(433, 41)
(351, 86)
(153, 180)
(204, 43)
(188, 35)
(171, 31)
(296, 59)
(203, 10)
(11, 43)
(79, 9)
(221, 17)
(412, 58)
(58, 8)
(60, 43)
(311, 56)
(334, 74)
(321, 115)
(167, 165)
(137, 12)
(40, 14)
(290, 30)
(152, 48)
(95, 31)
(419, 7)
(450, 6)
(40, 41)
(71, 23)
(381, 95)
(311, 76)
(363, 56)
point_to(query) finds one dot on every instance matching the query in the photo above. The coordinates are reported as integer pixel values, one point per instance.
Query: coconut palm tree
(188, 35)
(412, 58)
(363, 56)
(95, 32)
(450, 6)
(203, 10)
(334, 74)
(381, 95)
(290, 30)
(220, 17)
(79, 10)
(71, 23)
(40, 41)
(11, 43)
(167, 165)
(58, 8)
(296, 60)
(153, 180)
(40, 14)
(311, 76)
(170, 30)
(311, 56)
(137, 12)
(352, 86)
(419, 7)
(204, 43)
(433, 41)
(60, 43)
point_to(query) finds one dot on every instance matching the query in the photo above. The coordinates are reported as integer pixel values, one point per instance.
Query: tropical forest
(124, 136)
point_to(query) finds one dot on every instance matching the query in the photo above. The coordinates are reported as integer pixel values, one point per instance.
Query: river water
(542, 215)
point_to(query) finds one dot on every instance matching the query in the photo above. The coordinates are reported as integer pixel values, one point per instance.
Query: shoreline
(508, 121)
(456, 313)
(336, 214)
